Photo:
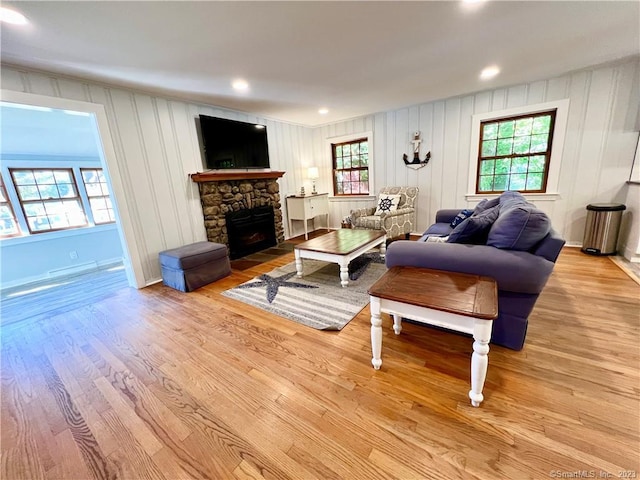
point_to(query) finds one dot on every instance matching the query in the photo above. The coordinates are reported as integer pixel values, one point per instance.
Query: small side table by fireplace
(457, 301)
(307, 207)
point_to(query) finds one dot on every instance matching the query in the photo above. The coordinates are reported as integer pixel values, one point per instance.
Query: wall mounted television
(230, 144)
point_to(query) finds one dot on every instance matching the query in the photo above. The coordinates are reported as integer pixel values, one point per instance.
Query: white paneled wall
(157, 147)
(599, 146)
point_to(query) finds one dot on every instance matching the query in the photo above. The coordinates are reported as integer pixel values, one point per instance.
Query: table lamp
(313, 175)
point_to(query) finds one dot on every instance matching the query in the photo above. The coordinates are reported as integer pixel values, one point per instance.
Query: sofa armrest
(361, 212)
(447, 215)
(398, 212)
(514, 271)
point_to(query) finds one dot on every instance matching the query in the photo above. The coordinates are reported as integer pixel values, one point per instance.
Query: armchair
(394, 223)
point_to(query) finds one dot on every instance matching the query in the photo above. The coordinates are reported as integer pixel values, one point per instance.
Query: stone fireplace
(222, 195)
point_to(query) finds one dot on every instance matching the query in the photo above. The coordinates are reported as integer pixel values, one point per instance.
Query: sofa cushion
(387, 203)
(460, 217)
(519, 227)
(475, 228)
(486, 204)
(439, 230)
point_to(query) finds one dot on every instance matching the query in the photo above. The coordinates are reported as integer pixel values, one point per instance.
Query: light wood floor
(159, 384)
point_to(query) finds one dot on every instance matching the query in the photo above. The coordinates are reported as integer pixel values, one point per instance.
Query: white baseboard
(62, 272)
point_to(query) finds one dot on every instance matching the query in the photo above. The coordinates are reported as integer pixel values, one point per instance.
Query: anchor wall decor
(416, 163)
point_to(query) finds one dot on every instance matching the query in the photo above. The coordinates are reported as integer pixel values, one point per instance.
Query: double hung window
(351, 167)
(49, 198)
(515, 153)
(52, 199)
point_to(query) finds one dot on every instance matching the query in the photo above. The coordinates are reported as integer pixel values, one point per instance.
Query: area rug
(317, 299)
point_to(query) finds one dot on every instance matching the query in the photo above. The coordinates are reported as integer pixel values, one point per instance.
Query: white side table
(307, 207)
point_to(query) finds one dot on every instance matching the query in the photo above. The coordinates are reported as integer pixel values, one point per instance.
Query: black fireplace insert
(250, 231)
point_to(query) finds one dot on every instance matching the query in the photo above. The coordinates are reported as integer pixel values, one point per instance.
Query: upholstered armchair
(394, 212)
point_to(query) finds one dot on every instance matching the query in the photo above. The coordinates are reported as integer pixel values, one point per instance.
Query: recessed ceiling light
(240, 84)
(323, 111)
(489, 72)
(11, 16)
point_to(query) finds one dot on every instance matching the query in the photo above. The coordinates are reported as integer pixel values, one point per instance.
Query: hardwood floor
(159, 384)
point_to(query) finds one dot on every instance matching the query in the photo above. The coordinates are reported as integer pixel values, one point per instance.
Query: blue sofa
(507, 239)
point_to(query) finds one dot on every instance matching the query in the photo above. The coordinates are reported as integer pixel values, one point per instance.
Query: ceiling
(354, 58)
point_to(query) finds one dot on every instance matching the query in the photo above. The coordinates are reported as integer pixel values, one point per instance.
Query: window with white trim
(8, 224)
(351, 167)
(97, 190)
(513, 149)
(49, 198)
(515, 153)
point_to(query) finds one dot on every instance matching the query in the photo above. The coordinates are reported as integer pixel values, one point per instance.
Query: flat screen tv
(230, 144)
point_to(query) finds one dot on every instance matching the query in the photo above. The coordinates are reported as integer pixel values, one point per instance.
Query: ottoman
(193, 266)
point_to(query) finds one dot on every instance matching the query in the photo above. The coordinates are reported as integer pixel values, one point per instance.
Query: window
(515, 153)
(351, 167)
(96, 186)
(49, 198)
(8, 224)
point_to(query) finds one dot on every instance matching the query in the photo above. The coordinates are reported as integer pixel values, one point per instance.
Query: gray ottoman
(193, 266)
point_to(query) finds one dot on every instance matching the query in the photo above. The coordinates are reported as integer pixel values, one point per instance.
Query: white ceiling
(354, 58)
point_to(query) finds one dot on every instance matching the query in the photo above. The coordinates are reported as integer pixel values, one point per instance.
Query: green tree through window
(351, 167)
(514, 153)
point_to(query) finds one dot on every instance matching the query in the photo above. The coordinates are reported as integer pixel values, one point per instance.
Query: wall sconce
(313, 174)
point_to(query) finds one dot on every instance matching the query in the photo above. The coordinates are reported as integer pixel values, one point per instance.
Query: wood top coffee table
(457, 301)
(340, 246)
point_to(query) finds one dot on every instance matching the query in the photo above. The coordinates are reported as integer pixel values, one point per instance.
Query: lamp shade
(313, 173)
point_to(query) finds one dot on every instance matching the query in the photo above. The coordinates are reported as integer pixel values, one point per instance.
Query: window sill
(352, 198)
(535, 197)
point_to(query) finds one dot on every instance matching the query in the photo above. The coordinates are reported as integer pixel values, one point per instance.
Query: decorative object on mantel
(302, 191)
(313, 174)
(416, 163)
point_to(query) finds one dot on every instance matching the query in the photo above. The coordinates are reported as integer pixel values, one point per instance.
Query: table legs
(376, 332)
(344, 273)
(397, 324)
(479, 359)
(298, 264)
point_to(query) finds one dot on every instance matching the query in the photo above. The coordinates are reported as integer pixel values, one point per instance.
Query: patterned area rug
(317, 299)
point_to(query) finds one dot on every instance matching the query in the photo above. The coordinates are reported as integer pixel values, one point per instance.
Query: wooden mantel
(221, 176)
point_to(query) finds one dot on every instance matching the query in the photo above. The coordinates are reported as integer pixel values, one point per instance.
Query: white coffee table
(341, 247)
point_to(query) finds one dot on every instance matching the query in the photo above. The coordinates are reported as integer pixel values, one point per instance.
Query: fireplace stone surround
(221, 193)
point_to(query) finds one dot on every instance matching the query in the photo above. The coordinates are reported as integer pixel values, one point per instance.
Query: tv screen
(230, 144)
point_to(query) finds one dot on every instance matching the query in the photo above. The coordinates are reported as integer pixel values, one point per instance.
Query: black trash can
(601, 230)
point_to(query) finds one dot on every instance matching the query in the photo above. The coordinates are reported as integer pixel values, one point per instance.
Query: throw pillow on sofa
(520, 227)
(387, 203)
(475, 228)
(486, 204)
(459, 218)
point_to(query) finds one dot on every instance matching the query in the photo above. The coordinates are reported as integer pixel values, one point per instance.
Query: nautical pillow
(387, 203)
(463, 215)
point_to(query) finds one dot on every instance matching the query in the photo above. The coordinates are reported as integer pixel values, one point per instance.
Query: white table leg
(397, 324)
(383, 248)
(376, 332)
(344, 273)
(479, 359)
(298, 264)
